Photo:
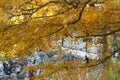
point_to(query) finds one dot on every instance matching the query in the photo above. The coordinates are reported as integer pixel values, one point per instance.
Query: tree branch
(100, 35)
(25, 14)
(103, 60)
(52, 32)
(54, 14)
(71, 3)
(80, 14)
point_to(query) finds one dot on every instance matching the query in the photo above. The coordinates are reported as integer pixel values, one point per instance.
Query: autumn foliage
(25, 25)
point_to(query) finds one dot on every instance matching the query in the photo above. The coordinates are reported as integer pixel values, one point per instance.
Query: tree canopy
(27, 24)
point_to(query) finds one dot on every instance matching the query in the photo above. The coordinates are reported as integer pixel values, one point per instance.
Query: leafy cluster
(27, 24)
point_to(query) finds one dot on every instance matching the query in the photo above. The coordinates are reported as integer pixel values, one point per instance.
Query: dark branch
(100, 35)
(54, 14)
(103, 60)
(52, 32)
(33, 10)
(72, 4)
(27, 14)
(80, 14)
